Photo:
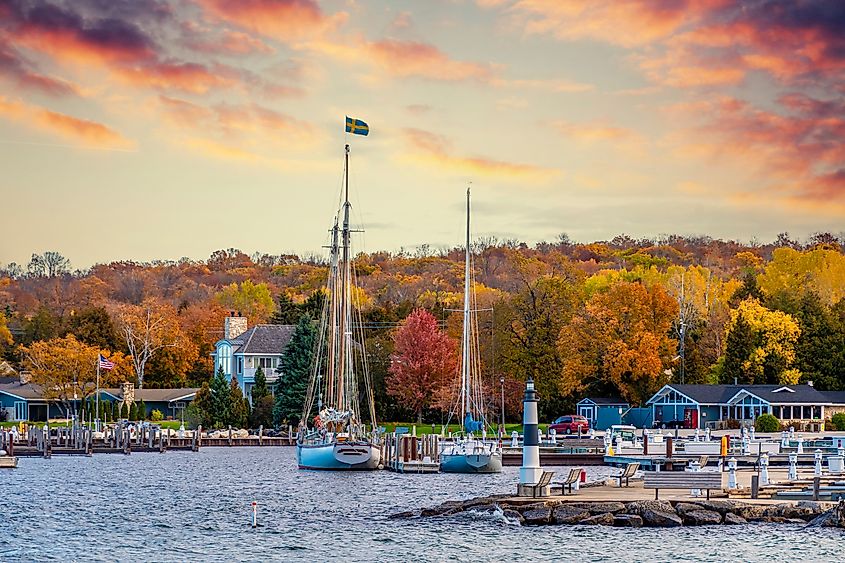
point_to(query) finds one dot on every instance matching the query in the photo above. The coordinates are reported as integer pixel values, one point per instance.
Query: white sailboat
(470, 453)
(337, 438)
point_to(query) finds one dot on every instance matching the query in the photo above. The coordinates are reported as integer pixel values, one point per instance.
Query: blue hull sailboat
(470, 453)
(337, 438)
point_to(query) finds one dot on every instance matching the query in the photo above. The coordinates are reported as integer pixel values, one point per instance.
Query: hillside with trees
(619, 317)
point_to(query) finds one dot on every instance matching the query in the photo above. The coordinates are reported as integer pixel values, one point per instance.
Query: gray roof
(263, 339)
(32, 392)
(26, 391)
(606, 400)
(786, 394)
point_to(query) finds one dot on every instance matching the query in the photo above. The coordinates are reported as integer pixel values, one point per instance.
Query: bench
(545, 479)
(683, 480)
(627, 473)
(571, 479)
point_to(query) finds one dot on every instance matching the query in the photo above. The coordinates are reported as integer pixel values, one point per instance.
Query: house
(243, 350)
(602, 412)
(25, 401)
(713, 405)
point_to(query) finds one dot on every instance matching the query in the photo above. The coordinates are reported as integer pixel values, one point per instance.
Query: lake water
(180, 506)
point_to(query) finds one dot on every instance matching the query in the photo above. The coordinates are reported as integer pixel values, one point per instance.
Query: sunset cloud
(283, 20)
(430, 148)
(25, 75)
(84, 131)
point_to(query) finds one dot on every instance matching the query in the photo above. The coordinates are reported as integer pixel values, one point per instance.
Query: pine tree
(218, 414)
(287, 312)
(294, 372)
(259, 388)
(133, 412)
(199, 409)
(237, 411)
(313, 306)
(738, 347)
(115, 411)
(142, 410)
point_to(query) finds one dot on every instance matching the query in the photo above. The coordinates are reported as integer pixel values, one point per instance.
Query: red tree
(424, 358)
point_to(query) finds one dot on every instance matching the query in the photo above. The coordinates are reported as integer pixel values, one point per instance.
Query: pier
(405, 453)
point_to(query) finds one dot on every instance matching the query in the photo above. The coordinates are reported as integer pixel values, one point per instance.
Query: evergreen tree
(816, 351)
(739, 345)
(133, 412)
(287, 312)
(294, 372)
(237, 411)
(259, 389)
(313, 306)
(218, 414)
(748, 289)
(142, 410)
(199, 409)
(115, 411)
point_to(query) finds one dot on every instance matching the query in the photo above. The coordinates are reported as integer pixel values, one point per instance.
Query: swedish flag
(357, 127)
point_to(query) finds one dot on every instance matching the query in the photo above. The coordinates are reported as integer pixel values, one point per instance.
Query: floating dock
(411, 454)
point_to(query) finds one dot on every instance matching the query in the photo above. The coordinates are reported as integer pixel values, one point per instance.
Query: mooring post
(260, 434)
(755, 486)
(816, 485)
(230, 435)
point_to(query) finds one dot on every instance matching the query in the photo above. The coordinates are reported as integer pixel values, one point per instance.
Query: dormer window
(780, 389)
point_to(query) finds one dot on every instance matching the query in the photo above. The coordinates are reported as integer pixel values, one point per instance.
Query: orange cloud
(431, 148)
(84, 130)
(187, 77)
(409, 58)
(595, 131)
(284, 20)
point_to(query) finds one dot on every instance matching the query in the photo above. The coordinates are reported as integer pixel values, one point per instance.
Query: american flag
(105, 364)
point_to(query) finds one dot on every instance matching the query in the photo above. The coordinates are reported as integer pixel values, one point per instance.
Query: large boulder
(639, 506)
(627, 521)
(701, 518)
(721, 506)
(733, 519)
(565, 514)
(660, 519)
(512, 514)
(792, 511)
(751, 512)
(599, 507)
(448, 507)
(833, 518)
(599, 520)
(537, 515)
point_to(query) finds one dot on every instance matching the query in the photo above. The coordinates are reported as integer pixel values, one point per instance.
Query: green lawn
(426, 428)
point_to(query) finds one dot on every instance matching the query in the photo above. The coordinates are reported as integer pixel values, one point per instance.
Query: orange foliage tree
(423, 361)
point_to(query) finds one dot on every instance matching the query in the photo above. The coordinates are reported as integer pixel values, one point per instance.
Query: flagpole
(97, 397)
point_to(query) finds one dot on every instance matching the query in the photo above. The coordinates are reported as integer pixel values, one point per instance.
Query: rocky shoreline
(639, 513)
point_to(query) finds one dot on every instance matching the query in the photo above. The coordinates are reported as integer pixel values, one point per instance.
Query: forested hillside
(605, 318)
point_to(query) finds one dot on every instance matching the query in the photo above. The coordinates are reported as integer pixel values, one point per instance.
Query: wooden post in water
(755, 486)
(230, 435)
(260, 433)
(816, 484)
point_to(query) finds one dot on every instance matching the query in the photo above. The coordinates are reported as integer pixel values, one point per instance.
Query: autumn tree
(764, 350)
(146, 330)
(250, 299)
(94, 326)
(423, 360)
(5, 335)
(792, 272)
(67, 368)
(619, 344)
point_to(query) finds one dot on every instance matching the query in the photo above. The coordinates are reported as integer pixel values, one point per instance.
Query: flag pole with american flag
(102, 363)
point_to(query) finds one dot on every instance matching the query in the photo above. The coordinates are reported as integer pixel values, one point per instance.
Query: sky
(147, 129)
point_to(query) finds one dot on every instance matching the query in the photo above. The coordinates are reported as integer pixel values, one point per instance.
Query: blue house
(699, 406)
(602, 412)
(243, 350)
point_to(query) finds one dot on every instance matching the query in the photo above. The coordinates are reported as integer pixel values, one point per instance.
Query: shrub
(732, 424)
(767, 423)
(838, 421)
(156, 415)
(142, 410)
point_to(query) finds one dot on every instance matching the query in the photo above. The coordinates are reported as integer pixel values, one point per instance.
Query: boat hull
(471, 463)
(343, 456)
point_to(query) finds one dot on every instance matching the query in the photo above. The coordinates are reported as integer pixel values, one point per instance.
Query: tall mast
(331, 392)
(465, 371)
(345, 371)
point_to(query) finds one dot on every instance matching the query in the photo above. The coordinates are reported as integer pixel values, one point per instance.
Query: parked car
(671, 424)
(570, 424)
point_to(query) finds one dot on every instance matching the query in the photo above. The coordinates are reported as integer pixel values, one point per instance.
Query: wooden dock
(411, 454)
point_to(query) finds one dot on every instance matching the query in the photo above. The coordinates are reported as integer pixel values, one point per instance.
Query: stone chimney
(25, 376)
(234, 326)
(128, 392)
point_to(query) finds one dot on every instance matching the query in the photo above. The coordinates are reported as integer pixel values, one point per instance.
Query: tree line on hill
(614, 318)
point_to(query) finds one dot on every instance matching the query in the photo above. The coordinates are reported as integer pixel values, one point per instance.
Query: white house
(243, 350)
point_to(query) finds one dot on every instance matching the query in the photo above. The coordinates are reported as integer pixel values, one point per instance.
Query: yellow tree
(66, 368)
(5, 333)
(252, 300)
(619, 343)
(766, 352)
(791, 272)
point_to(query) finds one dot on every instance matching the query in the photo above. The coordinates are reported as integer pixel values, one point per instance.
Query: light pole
(502, 382)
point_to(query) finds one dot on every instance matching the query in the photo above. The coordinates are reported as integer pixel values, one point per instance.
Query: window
(224, 358)
(20, 410)
(267, 363)
(240, 365)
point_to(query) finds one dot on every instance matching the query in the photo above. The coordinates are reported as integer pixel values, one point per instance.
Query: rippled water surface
(196, 507)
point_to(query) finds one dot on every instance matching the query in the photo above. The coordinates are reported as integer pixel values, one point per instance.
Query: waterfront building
(602, 412)
(243, 350)
(701, 406)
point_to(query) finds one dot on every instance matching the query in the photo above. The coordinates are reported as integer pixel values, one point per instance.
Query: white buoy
(817, 458)
(514, 439)
(530, 472)
(254, 514)
(784, 440)
(800, 445)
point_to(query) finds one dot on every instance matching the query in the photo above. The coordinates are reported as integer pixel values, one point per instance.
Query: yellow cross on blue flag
(357, 127)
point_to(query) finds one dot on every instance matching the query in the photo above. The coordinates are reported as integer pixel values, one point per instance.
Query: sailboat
(470, 453)
(337, 438)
